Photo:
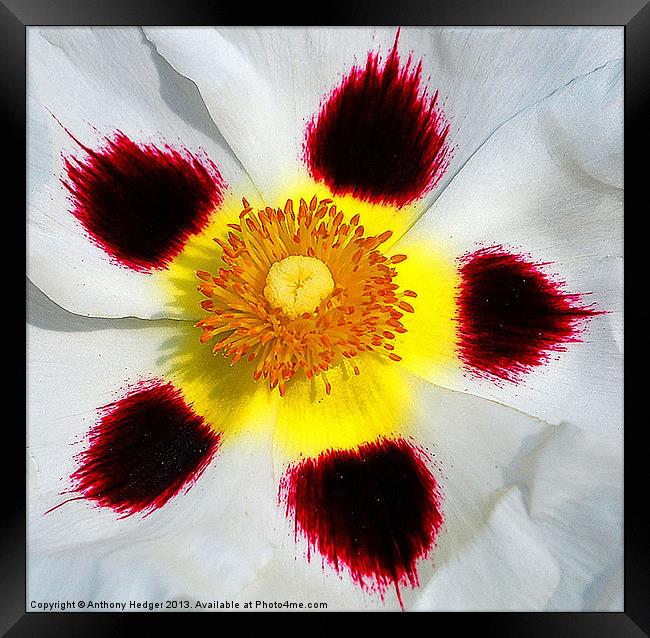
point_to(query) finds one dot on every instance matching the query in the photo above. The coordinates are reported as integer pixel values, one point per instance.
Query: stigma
(302, 292)
(298, 284)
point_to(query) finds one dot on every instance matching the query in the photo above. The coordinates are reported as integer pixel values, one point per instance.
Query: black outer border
(634, 14)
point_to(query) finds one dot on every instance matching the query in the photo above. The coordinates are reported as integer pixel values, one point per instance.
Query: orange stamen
(361, 314)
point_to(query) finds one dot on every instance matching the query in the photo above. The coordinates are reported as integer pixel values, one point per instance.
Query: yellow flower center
(303, 291)
(298, 284)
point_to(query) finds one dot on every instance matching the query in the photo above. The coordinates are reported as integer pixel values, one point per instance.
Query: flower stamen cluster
(255, 307)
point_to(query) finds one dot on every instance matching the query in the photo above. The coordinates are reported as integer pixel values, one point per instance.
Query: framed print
(327, 318)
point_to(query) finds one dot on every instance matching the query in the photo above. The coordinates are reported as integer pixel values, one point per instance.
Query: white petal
(505, 568)
(290, 576)
(547, 185)
(533, 512)
(95, 81)
(574, 494)
(607, 594)
(262, 86)
(245, 106)
(521, 512)
(210, 541)
(488, 76)
(472, 443)
(207, 544)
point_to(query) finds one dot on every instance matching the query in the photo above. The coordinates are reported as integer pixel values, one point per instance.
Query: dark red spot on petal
(379, 136)
(140, 203)
(512, 316)
(144, 449)
(372, 511)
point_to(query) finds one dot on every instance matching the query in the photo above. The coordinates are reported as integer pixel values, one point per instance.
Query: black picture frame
(634, 15)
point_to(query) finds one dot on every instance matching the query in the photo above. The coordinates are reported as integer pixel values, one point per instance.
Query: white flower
(495, 409)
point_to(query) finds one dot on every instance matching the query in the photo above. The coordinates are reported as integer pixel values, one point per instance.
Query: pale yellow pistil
(298, 284)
